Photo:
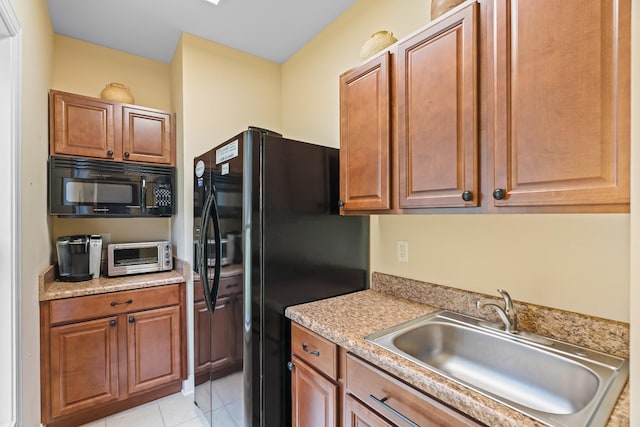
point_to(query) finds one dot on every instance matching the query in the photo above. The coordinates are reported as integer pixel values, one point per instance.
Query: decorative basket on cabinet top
(378, 41)
(440, 7)
(117, 92)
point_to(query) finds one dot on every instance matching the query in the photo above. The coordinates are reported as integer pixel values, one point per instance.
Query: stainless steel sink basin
(556, 383)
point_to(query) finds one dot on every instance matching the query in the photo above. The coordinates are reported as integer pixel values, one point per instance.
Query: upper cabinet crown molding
(92, 127)
(496, 106)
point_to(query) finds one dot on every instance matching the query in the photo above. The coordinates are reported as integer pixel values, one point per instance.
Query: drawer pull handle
(114, 303)
(311, 352)
(382, 402)
(132, 319)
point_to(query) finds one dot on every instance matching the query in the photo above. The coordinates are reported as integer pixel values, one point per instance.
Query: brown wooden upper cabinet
(408, 129)
(496, 106)
(365, 136)
(558, 101)
(91, 127)
(437, 120)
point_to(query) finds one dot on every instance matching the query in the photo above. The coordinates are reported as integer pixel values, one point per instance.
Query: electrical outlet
(403, 251)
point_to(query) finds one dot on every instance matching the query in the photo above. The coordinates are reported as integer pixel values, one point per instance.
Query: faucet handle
(509, 310)
(508, 304)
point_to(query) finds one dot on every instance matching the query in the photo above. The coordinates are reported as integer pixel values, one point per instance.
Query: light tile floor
(179, 410)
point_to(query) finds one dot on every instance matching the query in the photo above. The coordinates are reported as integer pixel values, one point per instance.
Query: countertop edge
(52, 289)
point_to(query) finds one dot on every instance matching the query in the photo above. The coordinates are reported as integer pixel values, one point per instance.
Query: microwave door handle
(143, 196)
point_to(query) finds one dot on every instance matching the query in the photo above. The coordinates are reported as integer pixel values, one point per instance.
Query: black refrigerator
(266, 207)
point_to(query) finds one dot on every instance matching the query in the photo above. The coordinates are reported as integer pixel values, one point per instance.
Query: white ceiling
(270, 29)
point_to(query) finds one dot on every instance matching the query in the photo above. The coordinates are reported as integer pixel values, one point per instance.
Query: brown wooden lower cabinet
(315, 382)
(315, 397)
(326, 388)
(101, 354)
(84, 365)
(153, 337)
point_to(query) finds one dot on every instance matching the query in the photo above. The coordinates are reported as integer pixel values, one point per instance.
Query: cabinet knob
(110, 153)
(499, 193)
(132, 319)
(290, 366)
(340, 203)
(467, 196)
(126, 154)
(113, 323)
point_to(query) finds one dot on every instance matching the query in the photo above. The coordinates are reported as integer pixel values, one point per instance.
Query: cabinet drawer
(315, 350)
(94, 306)
(394, 399)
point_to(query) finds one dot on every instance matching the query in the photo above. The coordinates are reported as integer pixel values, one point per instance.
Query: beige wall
(310, 93)
(224, 91)
(114, 230)
(85, 68)
(574, 262)
(37, 56)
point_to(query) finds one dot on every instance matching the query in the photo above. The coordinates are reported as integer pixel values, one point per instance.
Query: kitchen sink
(556, 383)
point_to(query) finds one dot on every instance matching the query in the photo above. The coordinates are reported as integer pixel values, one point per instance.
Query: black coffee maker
(79, 257)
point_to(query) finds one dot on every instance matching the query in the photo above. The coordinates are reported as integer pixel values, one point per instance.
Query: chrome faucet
(507, 314)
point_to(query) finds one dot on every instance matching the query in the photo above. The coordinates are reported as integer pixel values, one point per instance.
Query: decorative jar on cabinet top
(117, 92)
(440, 7)
(378, 41)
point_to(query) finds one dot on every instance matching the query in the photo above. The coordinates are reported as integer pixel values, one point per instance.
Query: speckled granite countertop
(51, 289)
(347, 319)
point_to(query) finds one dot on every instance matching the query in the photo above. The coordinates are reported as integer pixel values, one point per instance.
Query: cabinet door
(147, 136)
(358, 415)
(314, 398)
(154, 344)
(437, 114)
(559, 101)
(84, 365)
(222, 335)
(81, 126)
(365, 136)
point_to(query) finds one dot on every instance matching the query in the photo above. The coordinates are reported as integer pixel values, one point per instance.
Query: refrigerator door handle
(210, 212)
(203, 267)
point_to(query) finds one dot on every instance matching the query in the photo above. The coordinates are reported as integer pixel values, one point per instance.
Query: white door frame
(10, 58)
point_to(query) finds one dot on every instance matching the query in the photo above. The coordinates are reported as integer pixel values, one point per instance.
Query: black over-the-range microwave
(83, 187)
